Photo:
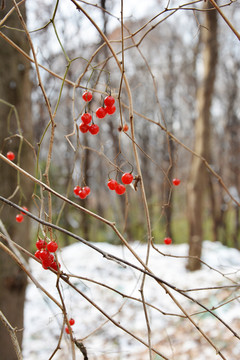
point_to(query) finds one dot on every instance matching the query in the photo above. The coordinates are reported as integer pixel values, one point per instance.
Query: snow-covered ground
(174, 336)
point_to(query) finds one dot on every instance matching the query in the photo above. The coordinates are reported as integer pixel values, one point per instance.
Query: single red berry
(37, 254)
(101, 112)
(86, 118)
(94, 129)
(82, 194)
(87, 96)
(112, 184)
(54, 266)
(120, 189)
(52, 246)
(44, 255)
(25, 208)
(125, 127)
(110, 109)
(48, 261)
(83, 128)
(109, 101)
(86, 189)
(167, 241)
(71, 321)
(10, 155)
(67, 330)
(176, 182)
(127, 178)
(45, 266)
(19, 218)
(41, 244)
(77, 189)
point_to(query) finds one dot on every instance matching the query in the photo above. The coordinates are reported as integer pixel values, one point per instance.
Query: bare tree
(198, 174)
(15, 128)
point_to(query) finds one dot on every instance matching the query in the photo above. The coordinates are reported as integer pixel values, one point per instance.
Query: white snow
(173, 336)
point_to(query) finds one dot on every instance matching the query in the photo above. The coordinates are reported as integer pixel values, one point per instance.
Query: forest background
(173, 70)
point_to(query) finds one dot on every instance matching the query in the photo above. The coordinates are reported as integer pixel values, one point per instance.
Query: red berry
(54, 266)
(86, 118)
(110, 109)
(112, 184)
(87, 96)
(48, 260)
(167, 241)
(83, 128)
(71, 321)
(82, 194)
(10, 155)
(19, 218)
(44, 255)
(125, 127)
(101, 112)
(52, 246)
(94, 129)
(67, 330)
(77, 189)
(45, 266)
(176, 182)
(41, 244)
(25, 208)
(86, 189)
(37, 254)
(127, 178)
(120, 189)
(109, 101)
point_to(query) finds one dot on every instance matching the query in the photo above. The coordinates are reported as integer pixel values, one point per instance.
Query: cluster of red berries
(167, 241)
(101, 112)
(85, 127)
(108, 109)
(45, 254)
(71, 322)
(82, 192)
(120, 189)
(20, 217)
(10, 155)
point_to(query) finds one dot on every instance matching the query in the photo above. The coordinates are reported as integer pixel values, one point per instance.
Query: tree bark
(15, 89)
(198, 175)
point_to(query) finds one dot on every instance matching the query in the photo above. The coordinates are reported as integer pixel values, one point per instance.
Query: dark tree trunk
(198, 176)
(15, 89)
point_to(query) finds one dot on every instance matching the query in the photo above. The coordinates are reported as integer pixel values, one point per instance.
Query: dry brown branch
(12, 333)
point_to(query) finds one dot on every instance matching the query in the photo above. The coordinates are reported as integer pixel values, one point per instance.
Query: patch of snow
(171, 334)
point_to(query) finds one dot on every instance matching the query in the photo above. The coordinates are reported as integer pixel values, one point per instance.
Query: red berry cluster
(44, 253)
(82, 192)
(108, 109)
(20, 217)
(10, 155)
(120, 189)
(71, 322)
(101, 112)
(85, 127)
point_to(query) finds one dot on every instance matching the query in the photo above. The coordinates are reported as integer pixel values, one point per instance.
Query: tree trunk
(198, 175)
(15, 89)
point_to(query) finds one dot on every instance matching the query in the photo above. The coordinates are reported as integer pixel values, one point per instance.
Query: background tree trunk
(15, 89)
(198, 175)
